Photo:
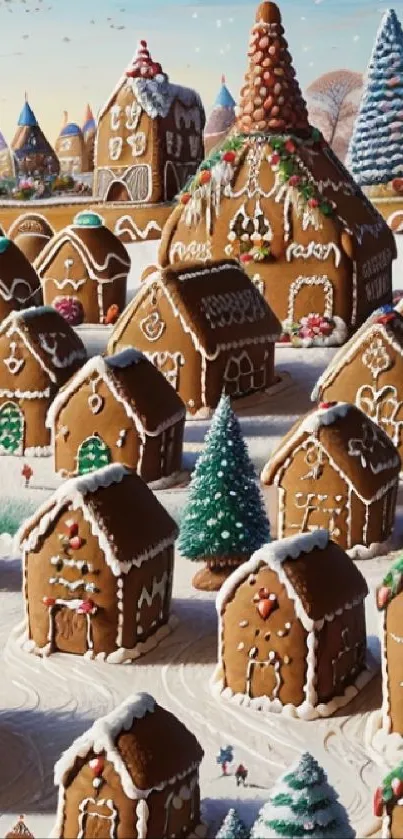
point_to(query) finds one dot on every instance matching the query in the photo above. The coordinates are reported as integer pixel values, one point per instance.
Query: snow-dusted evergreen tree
(233, 827)
(302, 804)
(375, 154)
(224, 518)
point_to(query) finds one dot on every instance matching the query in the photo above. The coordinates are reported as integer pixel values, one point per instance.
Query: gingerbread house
(296, 604)
(221, 118)
(389, 598)
(84, 270)
(388, 804)
(118, 409)
(334, 469)
(275, 196)
(117, 774)
(368, 371)
(92, 584)
(206, 328)
(20, 830)
(19, 282)
(71, 149)
(30, 232)
(39, 352)
(149, 138)
(33, 154)
(89, 129)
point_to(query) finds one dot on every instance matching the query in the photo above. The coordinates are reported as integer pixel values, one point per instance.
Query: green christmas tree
(232, 827)
(93, 454)
(303, 804)
(224, 520)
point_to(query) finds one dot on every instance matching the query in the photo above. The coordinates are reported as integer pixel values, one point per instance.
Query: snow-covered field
(46, 704)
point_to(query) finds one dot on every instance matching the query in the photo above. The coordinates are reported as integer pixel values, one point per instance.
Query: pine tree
(303, 804)
(224, 520)
(375, 154)
(232, 827)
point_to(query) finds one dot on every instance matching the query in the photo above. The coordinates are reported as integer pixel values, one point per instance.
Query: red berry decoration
(185, 197)
(295, 180)
(97, 765)
(382, 597)
(266, 607)
(275, 159)
(378, 803)
(229, 156)
(205, 177)
(325, 405)
(75, 543)
(313, 203)
(72, 528)
(70, 309)
(246, 257)
(49, 601)
(290, 147)
(397, 787)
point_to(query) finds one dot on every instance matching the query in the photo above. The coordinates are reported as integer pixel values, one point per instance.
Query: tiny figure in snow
(225, 757)
(27, 473)
(241, 775)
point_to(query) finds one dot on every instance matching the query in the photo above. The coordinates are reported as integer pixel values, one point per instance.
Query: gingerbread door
(93, 453)
(11, 429)
(97, 819)
(310, 295)
(71, 631)
(263, 678)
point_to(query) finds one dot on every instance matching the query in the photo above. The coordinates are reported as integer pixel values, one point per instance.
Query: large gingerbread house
(206, 328)
(389, 598)
(292, 628)
(138, 769)
(275, 196)
(30, 232)
(83, 270)
(19, 282)
(338, 470)
(368, 371)
(118, 409)
(38, 353)
(149, 138)
(92, 584)
(33, 154)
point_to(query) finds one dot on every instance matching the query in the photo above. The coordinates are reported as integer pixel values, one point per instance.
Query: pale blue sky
(68, 52)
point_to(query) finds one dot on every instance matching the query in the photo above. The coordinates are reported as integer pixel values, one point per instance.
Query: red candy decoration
(185, 197)
(96, 765)
(378, 803)
(325, 405)
(70, 309)
(295, 180)
(87, 607)
(265, 608)
(313, 202)
(382, 596)
(386, 318)
(112, 314)
(246, 257)
(275, 159)
(229, 156)
(290, 147)
(75, 543)
(397, 786)
(49, 601)
(205, 177)
(72, 528)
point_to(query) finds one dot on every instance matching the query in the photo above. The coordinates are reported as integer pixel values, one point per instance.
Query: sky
(65, 53)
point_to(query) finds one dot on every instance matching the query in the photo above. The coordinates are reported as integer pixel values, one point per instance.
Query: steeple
(270, 99)
(224, 98)
(27, 116)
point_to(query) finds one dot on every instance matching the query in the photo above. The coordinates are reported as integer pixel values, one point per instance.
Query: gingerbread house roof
(103, 254)
(317, 574)
(126, 737)
(89, 125)
(360, 451)
(19, 830)
(109, 498)
(222, 116)
(30, 224)
(152, 88)
(30, 139)
(216, 303)
(385, 323)
(18, 279)
(148, 399)
(49, 338)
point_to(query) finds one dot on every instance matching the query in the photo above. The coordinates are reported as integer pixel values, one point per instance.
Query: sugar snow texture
(102, 478)
(101, 737)
(375, 154)
(273, 555)
(224, 515)
(302, 804)
(324, 416)
(125, 358)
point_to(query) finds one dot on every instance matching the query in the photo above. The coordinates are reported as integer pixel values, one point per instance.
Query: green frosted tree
(93, 454)
(302, 804)
(224, 520)
(11, 428)
(232, 827)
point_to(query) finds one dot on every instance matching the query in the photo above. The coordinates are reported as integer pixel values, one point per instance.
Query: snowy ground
(46, 704)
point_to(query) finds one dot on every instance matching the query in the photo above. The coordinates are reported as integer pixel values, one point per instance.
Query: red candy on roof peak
(143, 67)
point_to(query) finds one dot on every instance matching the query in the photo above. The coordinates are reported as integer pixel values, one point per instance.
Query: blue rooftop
(70, 130)
(27, 116)
(224, 98)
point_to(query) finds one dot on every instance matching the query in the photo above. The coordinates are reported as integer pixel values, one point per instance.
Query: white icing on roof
(273, 555)
(125, 358)
(101, 737)
(324, 416)
(105, 477)
(93, 268)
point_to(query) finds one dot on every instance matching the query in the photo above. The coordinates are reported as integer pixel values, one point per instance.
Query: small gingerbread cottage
(388, 804)
(19, 283)
(84, 270)
(33, 154)
(389, 599)
(98, 563)
(206, 328)
(19, 831)
(292, 628)
(338, 470)
(368, 371)
(136, 771)
(275, 196)
(30, 232)
(39, 352)
(118, 409)
(71, 149)
(149, 138)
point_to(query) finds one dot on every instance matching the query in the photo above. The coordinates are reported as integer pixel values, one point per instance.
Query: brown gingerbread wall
(245, 631)
(393, 649)
(55, 275)
(148, 616)
(340, 652)
(243, 370)
(81, 789)
(395, 812)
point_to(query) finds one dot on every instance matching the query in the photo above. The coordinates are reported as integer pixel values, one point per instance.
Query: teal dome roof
(88, 219)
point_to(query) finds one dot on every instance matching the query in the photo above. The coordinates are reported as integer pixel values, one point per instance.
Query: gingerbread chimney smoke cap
(268, 13)
(270, 101)
(142, 65)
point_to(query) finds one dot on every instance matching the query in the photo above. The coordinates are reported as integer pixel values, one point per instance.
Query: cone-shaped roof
(224, 98)
(89, 123)
(143, 66)
(27, 116)
(270, 100)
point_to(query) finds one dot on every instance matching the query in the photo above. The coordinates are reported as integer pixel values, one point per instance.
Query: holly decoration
(390, 790)
(93, 454)
(311, 327)
(11, 428)
(391, 585)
